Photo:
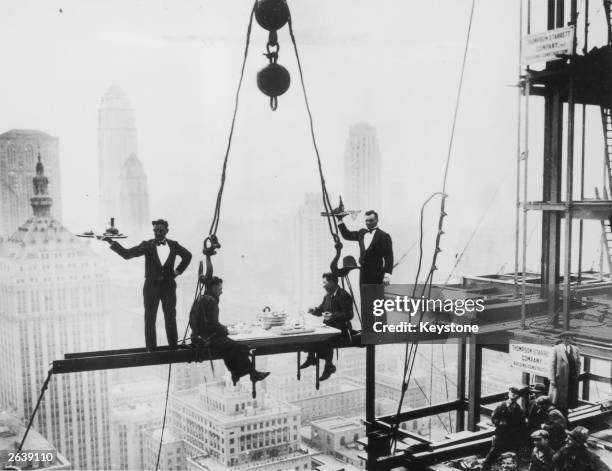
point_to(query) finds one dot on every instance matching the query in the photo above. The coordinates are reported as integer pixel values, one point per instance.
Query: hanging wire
(161, 435)
(331, 221)
(410, 353)
(217, 214)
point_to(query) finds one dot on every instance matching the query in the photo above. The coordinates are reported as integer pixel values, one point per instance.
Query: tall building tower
(116, 143)
(53, 301)
(362, 180)
(134, 197)
(18, 150)
(314, 251)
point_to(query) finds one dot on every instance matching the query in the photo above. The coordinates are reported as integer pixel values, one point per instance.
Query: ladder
(608, 7)
(606, 121)
(606, 232)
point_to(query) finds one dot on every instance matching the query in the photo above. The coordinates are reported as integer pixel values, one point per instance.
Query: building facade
(117, 141)
(18, 151)
(53, 301)
(235, 431)
(134, 197)
(362, 169)
(314, 251)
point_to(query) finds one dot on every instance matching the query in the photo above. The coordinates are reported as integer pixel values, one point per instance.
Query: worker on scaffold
(207, 331)
(160, 255)
(337, 311)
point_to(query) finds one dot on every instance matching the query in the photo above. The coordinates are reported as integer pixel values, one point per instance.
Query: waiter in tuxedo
(376, 260)
(375, 250)
(160, 255)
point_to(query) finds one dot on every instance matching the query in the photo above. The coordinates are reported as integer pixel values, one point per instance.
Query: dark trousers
(235, 355)
(323, 351)
(153, 292)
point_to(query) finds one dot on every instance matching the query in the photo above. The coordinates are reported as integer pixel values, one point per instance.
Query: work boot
(310, 361)
(259, 375)
(329, 370)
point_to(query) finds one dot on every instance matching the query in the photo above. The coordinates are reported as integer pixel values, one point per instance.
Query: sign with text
(544, 47)
(531, 358)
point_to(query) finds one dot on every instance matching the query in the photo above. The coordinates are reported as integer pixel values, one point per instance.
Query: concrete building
(117, 141)
(129, 424)
(314, 251)
(362, 169)
(11, 433)
(53, 301)
(172, 455)
(336, 396)
(337, 437)
(235, 431)
(134, 197)
(18, 151)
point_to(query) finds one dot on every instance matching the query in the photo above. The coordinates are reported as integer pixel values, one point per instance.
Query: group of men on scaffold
(336, 309)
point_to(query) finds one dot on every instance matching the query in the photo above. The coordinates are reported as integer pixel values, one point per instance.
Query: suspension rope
(331, 221)
(161, 435)
(40, 396)
(217, 214)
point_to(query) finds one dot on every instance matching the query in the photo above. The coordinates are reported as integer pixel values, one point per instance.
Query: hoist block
(273, 80)
(272, 14)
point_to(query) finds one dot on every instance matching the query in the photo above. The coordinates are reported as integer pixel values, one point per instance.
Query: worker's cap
(543, 401)
(566, 333)
(537, 388)
(161, 222)
(509, 455)
(514, 389)
(539, 435)
(579, 435)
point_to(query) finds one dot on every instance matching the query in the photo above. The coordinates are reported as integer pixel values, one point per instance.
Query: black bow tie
(163, 242)
(371, 230)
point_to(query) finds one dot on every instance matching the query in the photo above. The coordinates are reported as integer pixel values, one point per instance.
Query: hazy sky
(394, 64)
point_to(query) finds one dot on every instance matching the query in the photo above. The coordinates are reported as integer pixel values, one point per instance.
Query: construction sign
(531, 357)
(544, 47)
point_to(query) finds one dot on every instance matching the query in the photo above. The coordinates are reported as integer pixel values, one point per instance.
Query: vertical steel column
(586, 389)
(474, 387)
(460, 415)
(370, 383)
(569, 183)
(553, 148)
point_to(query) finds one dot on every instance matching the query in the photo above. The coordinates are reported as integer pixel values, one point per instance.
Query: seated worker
(206, 330)
(574, 455)
(535, 415)
(542, 454)
(337, 311)
(510, 427)
(554, 422)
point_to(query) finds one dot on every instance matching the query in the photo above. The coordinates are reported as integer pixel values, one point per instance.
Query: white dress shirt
(163, 251)
(367, 238)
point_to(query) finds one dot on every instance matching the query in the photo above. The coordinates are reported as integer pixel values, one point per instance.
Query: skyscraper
(18, 150)
(134, 197)
(362, 177)
(314, 250)
(53, 301)
(116, 143)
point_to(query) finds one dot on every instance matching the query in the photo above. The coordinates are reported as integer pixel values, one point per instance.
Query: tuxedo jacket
(154, 270)
(377, 259)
